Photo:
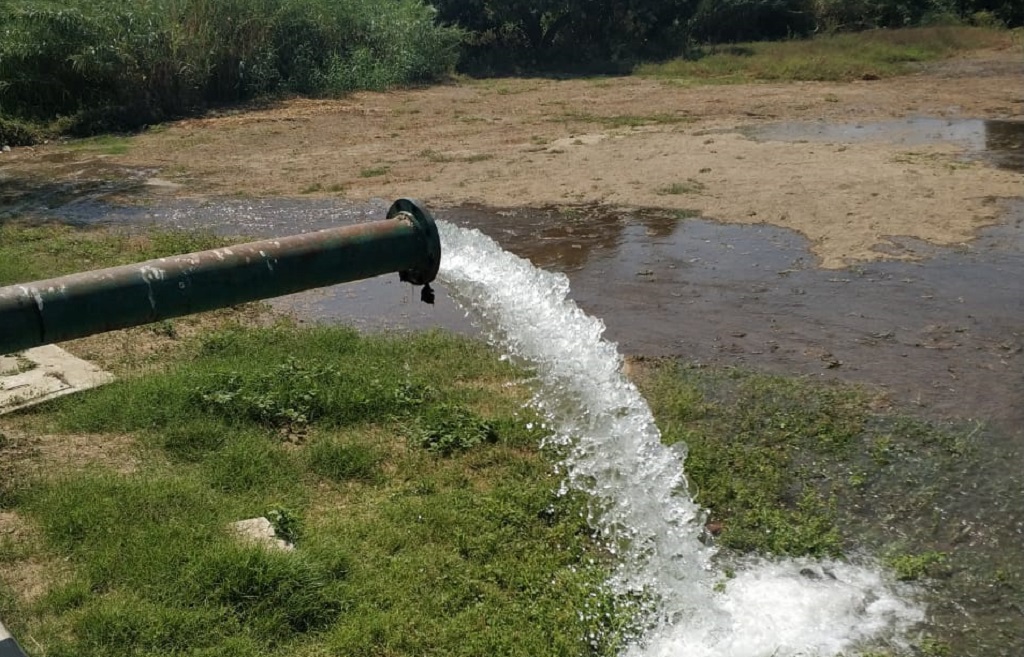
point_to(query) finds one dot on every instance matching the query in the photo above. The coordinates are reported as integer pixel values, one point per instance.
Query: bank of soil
(621, 142)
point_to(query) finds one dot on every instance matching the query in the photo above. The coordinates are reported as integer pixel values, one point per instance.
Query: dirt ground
(622, 142)
(616, 141)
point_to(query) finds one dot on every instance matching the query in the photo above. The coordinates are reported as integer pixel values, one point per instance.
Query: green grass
(443, 158)
(781, 463)
(842, 57)
(689, 186)
(30, 252)
(429, 518)
(102, 145)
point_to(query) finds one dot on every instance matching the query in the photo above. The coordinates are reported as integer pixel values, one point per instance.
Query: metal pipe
(58, 309)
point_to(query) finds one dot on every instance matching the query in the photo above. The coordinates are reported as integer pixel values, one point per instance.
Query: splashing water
(645, 515)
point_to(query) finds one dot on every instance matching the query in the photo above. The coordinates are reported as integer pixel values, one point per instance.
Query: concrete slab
(43, 373)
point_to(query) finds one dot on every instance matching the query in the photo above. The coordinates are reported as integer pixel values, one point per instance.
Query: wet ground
(940, 330)
(994, 141)
(943, 333)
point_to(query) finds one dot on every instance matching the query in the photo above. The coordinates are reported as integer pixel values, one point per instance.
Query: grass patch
(626, 120)
(345, 460)
(909, 567)
(373, 172)
(781, 463)
(342, 436)
(29, 252)
(443, 158)
(689, 186)
(841, 57)
(101, 145)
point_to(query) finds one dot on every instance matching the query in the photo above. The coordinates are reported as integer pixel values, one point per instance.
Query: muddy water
(995, 141)
(944, 333)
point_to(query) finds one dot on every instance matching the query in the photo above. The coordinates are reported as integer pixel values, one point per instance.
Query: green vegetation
(423, 513)
(30, 252)
(373, 172)
(781, 462)
(584, 35)
(100, 65)
(462, 548)
(627, 120)
(839, 57)
(915, 566)
(689, 186)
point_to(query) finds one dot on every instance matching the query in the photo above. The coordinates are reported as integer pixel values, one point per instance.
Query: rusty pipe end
(426, 272)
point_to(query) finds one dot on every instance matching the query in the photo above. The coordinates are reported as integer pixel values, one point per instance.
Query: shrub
(119, 63)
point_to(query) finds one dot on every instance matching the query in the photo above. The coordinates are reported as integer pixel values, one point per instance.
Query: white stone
(259, 531)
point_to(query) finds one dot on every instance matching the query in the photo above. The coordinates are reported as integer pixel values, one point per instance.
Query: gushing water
(643, 511)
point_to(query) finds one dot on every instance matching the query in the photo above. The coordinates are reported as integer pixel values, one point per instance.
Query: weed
(449, 428)
(684, 213)
(165, 328)
(373, 172)
(909, 567)
(286, 523)
(690, 186)
(442, 158)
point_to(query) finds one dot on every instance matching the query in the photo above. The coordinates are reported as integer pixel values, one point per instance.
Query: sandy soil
(624, 142)
(541, 142)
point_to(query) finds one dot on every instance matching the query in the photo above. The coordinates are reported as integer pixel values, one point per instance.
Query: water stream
(642, 510)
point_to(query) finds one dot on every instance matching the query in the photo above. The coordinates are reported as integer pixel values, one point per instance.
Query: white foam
(614, 453)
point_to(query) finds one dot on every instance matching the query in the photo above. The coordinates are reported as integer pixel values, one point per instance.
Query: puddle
(996, 141)
(944, 334)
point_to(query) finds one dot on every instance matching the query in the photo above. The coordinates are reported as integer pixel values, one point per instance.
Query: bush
(119, 63)
(720, 21)
(17, 133)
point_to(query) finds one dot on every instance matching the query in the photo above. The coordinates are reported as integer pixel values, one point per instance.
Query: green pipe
(58, 309)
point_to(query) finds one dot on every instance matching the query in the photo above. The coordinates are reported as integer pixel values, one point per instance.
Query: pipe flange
(422, 219)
